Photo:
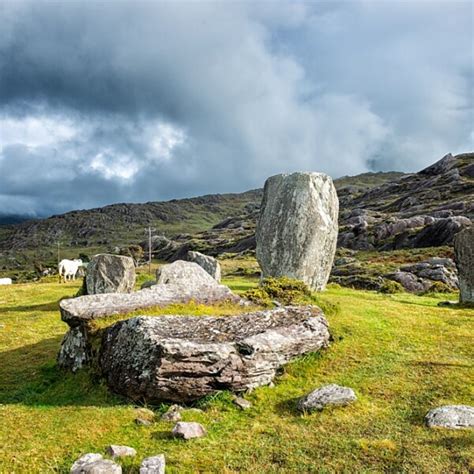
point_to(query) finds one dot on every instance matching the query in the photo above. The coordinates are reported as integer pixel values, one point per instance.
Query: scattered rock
(181, 272)
(188, 430)
(297, 229)
(325, 396)
(93, 463)
(464, 250)
(183, 358)
(242, 403)
(110, 274)
(173, 414)
(210, 264)
(145, 414)
(451, 416)
(117, 451)
(143, 422)
(153, 465)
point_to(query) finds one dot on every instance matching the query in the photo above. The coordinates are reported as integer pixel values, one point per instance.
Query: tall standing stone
(297, 229)
(464, 250)
(110, 274)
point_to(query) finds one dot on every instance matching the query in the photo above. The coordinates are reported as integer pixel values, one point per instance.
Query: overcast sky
(104, 102)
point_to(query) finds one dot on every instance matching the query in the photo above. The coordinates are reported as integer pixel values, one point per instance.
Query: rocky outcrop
(110, 274)
(464, 250)
(297, 228)
(451, 416)
(423, 276)
(79, 313)
(181, 358)
(210, 264)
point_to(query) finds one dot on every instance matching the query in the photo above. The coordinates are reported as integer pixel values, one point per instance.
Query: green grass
(401, 353)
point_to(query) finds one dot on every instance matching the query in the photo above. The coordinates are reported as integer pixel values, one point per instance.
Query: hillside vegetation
(401, 353)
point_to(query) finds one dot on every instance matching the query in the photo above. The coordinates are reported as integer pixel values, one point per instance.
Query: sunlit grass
(401, 353)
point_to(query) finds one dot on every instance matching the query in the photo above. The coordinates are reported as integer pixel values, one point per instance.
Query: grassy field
(401, 353)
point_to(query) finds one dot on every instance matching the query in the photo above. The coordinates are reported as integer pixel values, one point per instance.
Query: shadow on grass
(54, 306)
(289, 406)
(29, 375)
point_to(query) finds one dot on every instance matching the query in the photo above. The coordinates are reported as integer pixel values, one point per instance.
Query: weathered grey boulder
(181, 272)
(153, 465)
(188, 430)
(328, 395)
(117, 451)
(210, 264)
(79, 313)
(451, 416)
(183, 358)
(464, 250)
(297, 229)
(93, 463)
(110, 274)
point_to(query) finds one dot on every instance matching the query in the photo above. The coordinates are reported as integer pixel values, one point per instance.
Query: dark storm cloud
(130, 101)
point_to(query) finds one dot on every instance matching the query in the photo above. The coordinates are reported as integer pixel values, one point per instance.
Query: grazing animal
(5, 281)
(67, 269)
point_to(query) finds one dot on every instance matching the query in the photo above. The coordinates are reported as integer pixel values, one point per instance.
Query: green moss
(391, 287)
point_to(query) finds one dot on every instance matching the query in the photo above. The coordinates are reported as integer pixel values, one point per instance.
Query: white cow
(5, 281)
(68, 268)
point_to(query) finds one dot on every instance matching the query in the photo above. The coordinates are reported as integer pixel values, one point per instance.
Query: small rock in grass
(93, 463)
(328, 395)
(173, 413)
(153, 465)
(142, 422)
(145, 414)
(451, 416)
(242, 403)
(117, 451)
(188, 430)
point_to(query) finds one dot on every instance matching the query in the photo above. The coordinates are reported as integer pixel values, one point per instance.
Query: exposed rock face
(297, 229)
(188, 430)
(327, 395)
(464, 250)
(181, 272)
(451, 416)
(74, 352)
(210, 264)
(79, 312)
(110, 274)
(183, 358)
(153, 465)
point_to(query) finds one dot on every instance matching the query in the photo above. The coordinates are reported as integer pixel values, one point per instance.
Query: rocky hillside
(378, 212)
(424, 209)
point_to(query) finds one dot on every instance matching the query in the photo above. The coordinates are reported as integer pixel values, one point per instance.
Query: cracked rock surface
(183, 358)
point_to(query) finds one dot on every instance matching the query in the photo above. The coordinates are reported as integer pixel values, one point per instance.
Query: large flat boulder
(184, 358)
(464, 250)
(79, 313)
(110, 274)
(297, 229)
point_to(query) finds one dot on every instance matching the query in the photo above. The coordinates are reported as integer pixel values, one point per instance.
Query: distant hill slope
(377, 211)
(119, 224)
